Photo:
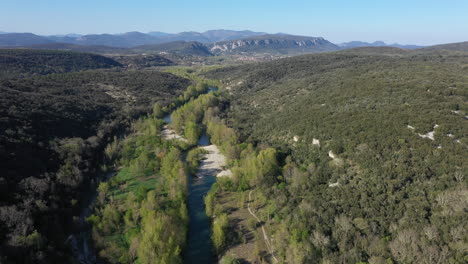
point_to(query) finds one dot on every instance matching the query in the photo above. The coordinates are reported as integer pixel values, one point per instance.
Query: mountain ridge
(208, 43)
(135, 38)
(22, 39)
(378, 43)
(284, 44)
(124, 40)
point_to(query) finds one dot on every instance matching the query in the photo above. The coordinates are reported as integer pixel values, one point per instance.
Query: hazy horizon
(416, 22)
(147, 32)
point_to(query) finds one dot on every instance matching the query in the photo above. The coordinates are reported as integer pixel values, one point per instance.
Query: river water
(199, 246)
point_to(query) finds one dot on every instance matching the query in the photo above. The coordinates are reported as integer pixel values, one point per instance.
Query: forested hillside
(79, 48)
(371, 156)
(142, 61)
(178, 47)
(27, 62)
(54, 129)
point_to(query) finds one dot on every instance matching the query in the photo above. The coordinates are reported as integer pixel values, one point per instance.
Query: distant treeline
(26, 62)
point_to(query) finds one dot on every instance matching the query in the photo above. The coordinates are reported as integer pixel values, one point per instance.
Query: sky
(423, 22)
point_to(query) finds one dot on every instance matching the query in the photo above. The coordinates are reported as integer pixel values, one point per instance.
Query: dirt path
(265, 237)
(213, 163)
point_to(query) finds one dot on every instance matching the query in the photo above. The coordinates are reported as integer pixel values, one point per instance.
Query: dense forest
(356, 158)
(142, 61)
(54, 130)
(27, 62)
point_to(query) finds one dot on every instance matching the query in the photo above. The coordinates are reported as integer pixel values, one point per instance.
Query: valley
(237, 151)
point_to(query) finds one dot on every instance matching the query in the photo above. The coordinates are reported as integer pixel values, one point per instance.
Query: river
(199, 247)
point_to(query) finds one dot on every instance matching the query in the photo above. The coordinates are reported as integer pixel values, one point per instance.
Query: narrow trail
(265, 236)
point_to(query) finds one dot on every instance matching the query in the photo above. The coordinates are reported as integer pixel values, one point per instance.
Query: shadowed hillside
(26, 62)
(54, 130)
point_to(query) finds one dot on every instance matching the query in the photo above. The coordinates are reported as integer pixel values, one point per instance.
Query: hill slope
(26, 62)
(143, 61)
(461, 46)
(78, 48)
(54, 131)
(371, 148)
(382, 51)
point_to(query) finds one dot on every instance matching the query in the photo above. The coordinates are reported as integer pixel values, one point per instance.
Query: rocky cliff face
(286, 44)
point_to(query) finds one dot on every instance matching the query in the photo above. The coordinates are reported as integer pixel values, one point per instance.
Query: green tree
(157, 110)
(160, 242)
(220, 225)
(267, 167)
(192, 132)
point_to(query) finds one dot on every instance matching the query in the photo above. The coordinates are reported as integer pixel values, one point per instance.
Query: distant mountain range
(22, 39)
(209, 43)
(263, 44)
(134, 39)
(125, 40)
(357, 44)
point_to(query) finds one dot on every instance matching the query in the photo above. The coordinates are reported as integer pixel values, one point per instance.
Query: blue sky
(407, 22)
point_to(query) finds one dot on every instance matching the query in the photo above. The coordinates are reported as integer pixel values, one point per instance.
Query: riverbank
(153, 208)
(213, 163)
(167, 133)
(141, 213)
(246, 239)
